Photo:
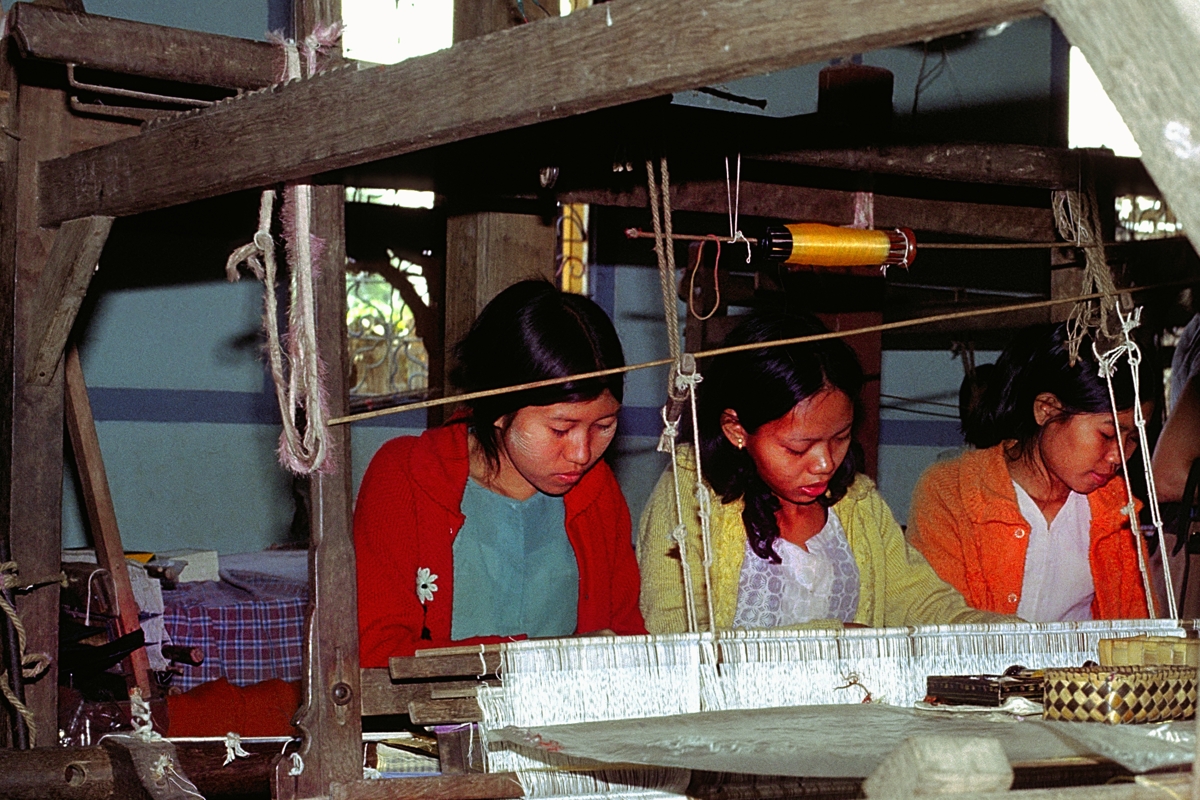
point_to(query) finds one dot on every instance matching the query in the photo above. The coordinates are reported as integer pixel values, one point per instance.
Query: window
(387, 354)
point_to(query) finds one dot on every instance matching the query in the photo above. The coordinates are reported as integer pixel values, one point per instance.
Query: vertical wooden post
(330, 717)
(487, 250)
(37, 125)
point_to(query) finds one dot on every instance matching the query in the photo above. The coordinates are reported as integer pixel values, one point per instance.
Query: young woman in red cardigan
(504, 522)
(1033, 522)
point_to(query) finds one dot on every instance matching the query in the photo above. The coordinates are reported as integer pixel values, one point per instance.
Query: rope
(296, 374)
(662, 362)
(233, 748)
(703, 499)
(1077, 217)
(1108, 366)
(664, 252)
(32, 664)
(732, 204)
(716, 280)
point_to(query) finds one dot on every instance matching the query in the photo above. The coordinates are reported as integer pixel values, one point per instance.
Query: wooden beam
(102, 516)
(614, 53)
(470, 786)
(136, 48)
(61, 287)
(1019, 223)
(331, 715)
(1143, 52)
(1001, 164)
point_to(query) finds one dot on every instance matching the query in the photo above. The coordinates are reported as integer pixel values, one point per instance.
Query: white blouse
(821, 582)
(1058, 584)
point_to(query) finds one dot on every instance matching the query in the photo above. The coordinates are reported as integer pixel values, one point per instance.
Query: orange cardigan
(965, 520)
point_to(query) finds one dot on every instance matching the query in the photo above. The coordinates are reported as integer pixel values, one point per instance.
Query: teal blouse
(514, 568)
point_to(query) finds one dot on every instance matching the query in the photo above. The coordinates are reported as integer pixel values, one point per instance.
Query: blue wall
(247, 19)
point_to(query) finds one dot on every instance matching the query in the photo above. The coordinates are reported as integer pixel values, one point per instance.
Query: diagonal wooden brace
(63, 283)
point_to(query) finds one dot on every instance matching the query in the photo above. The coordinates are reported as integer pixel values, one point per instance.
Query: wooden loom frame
(58, 168)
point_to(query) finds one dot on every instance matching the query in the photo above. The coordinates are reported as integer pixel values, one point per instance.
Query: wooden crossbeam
(1020, 223)
(1144, 53)
(137, 48)
(61, 287)
(997, 164)
(614, 53)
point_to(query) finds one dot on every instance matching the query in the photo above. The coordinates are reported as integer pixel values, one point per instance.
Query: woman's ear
(1046, 407)
(731, 426)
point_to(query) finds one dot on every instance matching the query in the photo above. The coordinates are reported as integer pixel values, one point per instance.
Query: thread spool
(815, 244)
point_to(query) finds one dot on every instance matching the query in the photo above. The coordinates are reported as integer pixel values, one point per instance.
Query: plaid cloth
(249, 625)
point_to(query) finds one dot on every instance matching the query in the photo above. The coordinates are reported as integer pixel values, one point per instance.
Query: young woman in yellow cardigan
(800, 538)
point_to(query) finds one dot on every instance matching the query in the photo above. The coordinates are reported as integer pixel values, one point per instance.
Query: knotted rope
(303, 404)
(32, 664)
(1077, 217)
(681, 388)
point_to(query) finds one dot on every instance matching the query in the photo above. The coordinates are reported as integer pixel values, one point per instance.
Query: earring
(741, 443)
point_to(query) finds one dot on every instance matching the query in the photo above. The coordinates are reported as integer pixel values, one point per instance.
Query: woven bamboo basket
(1118, 695)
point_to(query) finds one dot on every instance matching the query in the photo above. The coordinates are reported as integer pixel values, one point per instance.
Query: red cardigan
(406, 519)
(966, 522)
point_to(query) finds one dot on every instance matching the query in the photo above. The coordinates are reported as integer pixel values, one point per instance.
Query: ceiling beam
(614, 53)
(997, 164)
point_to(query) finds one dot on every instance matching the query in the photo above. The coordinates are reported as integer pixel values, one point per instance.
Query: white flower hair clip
(425, 585)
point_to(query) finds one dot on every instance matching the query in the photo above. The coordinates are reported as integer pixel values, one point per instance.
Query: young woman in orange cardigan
(800, 538)
(1033, 521)
(504, 522)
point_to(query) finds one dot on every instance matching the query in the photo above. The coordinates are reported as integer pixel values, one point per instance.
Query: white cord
(1108, 366)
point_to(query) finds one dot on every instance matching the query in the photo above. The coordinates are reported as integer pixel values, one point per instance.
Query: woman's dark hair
(762, 385)
(1036, 361)
(530, 332)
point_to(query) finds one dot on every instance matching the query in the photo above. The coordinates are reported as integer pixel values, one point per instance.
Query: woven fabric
(250, 627)
(1117, 695)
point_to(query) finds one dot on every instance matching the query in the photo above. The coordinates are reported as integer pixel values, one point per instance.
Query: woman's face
(798, 453)
(1082, 450)
(551, 447)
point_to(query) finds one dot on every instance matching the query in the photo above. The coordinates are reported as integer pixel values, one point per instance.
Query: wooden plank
(331, 715)
(471, 786)
(444, 712)
(1000, 164)
(485, 253)
(102, 516)
(1143, 52)
(1002, 222)
(410, 668)
(617, 52)
(61, 287)
(136, 48)
(382, 696)
(31, 456)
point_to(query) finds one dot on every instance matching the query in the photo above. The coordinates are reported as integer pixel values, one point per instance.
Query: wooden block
(420, 667)
(444, 712)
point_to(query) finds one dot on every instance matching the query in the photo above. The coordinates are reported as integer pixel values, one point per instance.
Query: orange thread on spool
(827, 246)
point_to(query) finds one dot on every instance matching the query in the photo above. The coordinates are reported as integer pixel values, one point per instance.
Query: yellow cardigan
(897, 585)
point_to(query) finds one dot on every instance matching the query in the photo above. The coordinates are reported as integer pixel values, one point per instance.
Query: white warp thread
(588, 680)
